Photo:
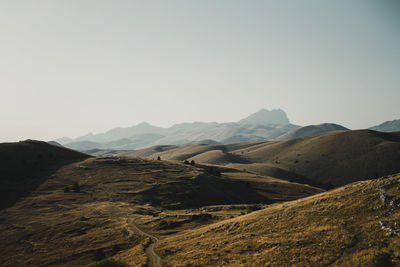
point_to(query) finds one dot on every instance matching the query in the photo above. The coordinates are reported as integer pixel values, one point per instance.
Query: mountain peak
(265, 116)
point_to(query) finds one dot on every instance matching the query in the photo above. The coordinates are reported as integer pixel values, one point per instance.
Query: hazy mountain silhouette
(266, 117)
(387, 126)
(262, 125)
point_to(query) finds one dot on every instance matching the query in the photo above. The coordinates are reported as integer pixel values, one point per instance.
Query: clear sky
(77, 66)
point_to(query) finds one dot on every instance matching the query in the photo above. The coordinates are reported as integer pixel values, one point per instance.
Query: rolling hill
(354, 225)
(312, 130)
(79, 206)
(27, 164)
(330, 159)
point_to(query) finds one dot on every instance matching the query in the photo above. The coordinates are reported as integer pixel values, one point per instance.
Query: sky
(72, 67)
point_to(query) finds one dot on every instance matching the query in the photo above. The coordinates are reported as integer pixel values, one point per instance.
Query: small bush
(109, 263)
(202, 217)
(116, 249)
(214, 171)
(192, 163)
(163, 225)
(146, 212)
(76, 187)
(158, 158)
(99, 255)
(186, 162)
(382, 260)
(255, 207)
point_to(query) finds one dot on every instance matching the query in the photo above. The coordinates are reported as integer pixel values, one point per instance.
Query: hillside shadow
(24, 166)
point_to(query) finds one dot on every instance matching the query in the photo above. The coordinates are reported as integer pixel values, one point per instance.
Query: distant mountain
(266, 117)
(263, 125)
(312, 130)
(260, 126)
(120, 133)
(387, 126)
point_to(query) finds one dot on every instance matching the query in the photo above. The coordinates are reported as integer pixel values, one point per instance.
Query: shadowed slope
(25, 165)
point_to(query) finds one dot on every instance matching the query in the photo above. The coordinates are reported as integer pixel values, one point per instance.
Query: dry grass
(339, 227)
(52, 227)
(200, 218)
(335, 158)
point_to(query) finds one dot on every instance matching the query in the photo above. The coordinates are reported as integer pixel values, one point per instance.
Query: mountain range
(264, 125)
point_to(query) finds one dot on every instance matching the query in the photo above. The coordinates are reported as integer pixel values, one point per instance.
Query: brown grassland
(54, 225)
(70, 209)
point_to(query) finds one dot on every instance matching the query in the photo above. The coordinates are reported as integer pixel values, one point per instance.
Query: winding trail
(154, 259)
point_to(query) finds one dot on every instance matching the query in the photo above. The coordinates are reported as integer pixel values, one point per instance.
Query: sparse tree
(192, 162)
(158, 158)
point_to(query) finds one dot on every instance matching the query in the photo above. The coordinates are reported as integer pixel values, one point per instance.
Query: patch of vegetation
(109, 263)
(164, 225)
(214, 171)
(116, 249)
(99, 255)
(382, 259)
(192, 163)
(201, 217)
(254, 207)
(146, 212)
(76, 187)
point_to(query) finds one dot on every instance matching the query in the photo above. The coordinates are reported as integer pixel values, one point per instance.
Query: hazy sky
(72, 67)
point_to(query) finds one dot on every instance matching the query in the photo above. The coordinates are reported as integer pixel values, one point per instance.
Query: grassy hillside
(330, 159)
(312, 130)
(334, 158)
(27, 164)
(355, 225)
(80, 211)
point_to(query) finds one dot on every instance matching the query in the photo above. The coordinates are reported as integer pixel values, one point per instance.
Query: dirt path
(154, 259)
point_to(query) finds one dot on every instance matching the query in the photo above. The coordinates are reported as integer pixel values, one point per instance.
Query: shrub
(192, 163)
(186, 161)
(202, 217)
(76, 187)
(99, 255)
(382, 259)
(255, 207)
(214, 171)
(163, 225)
(109, 263)
(116, 249)
(146, 212)
(158, 158)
